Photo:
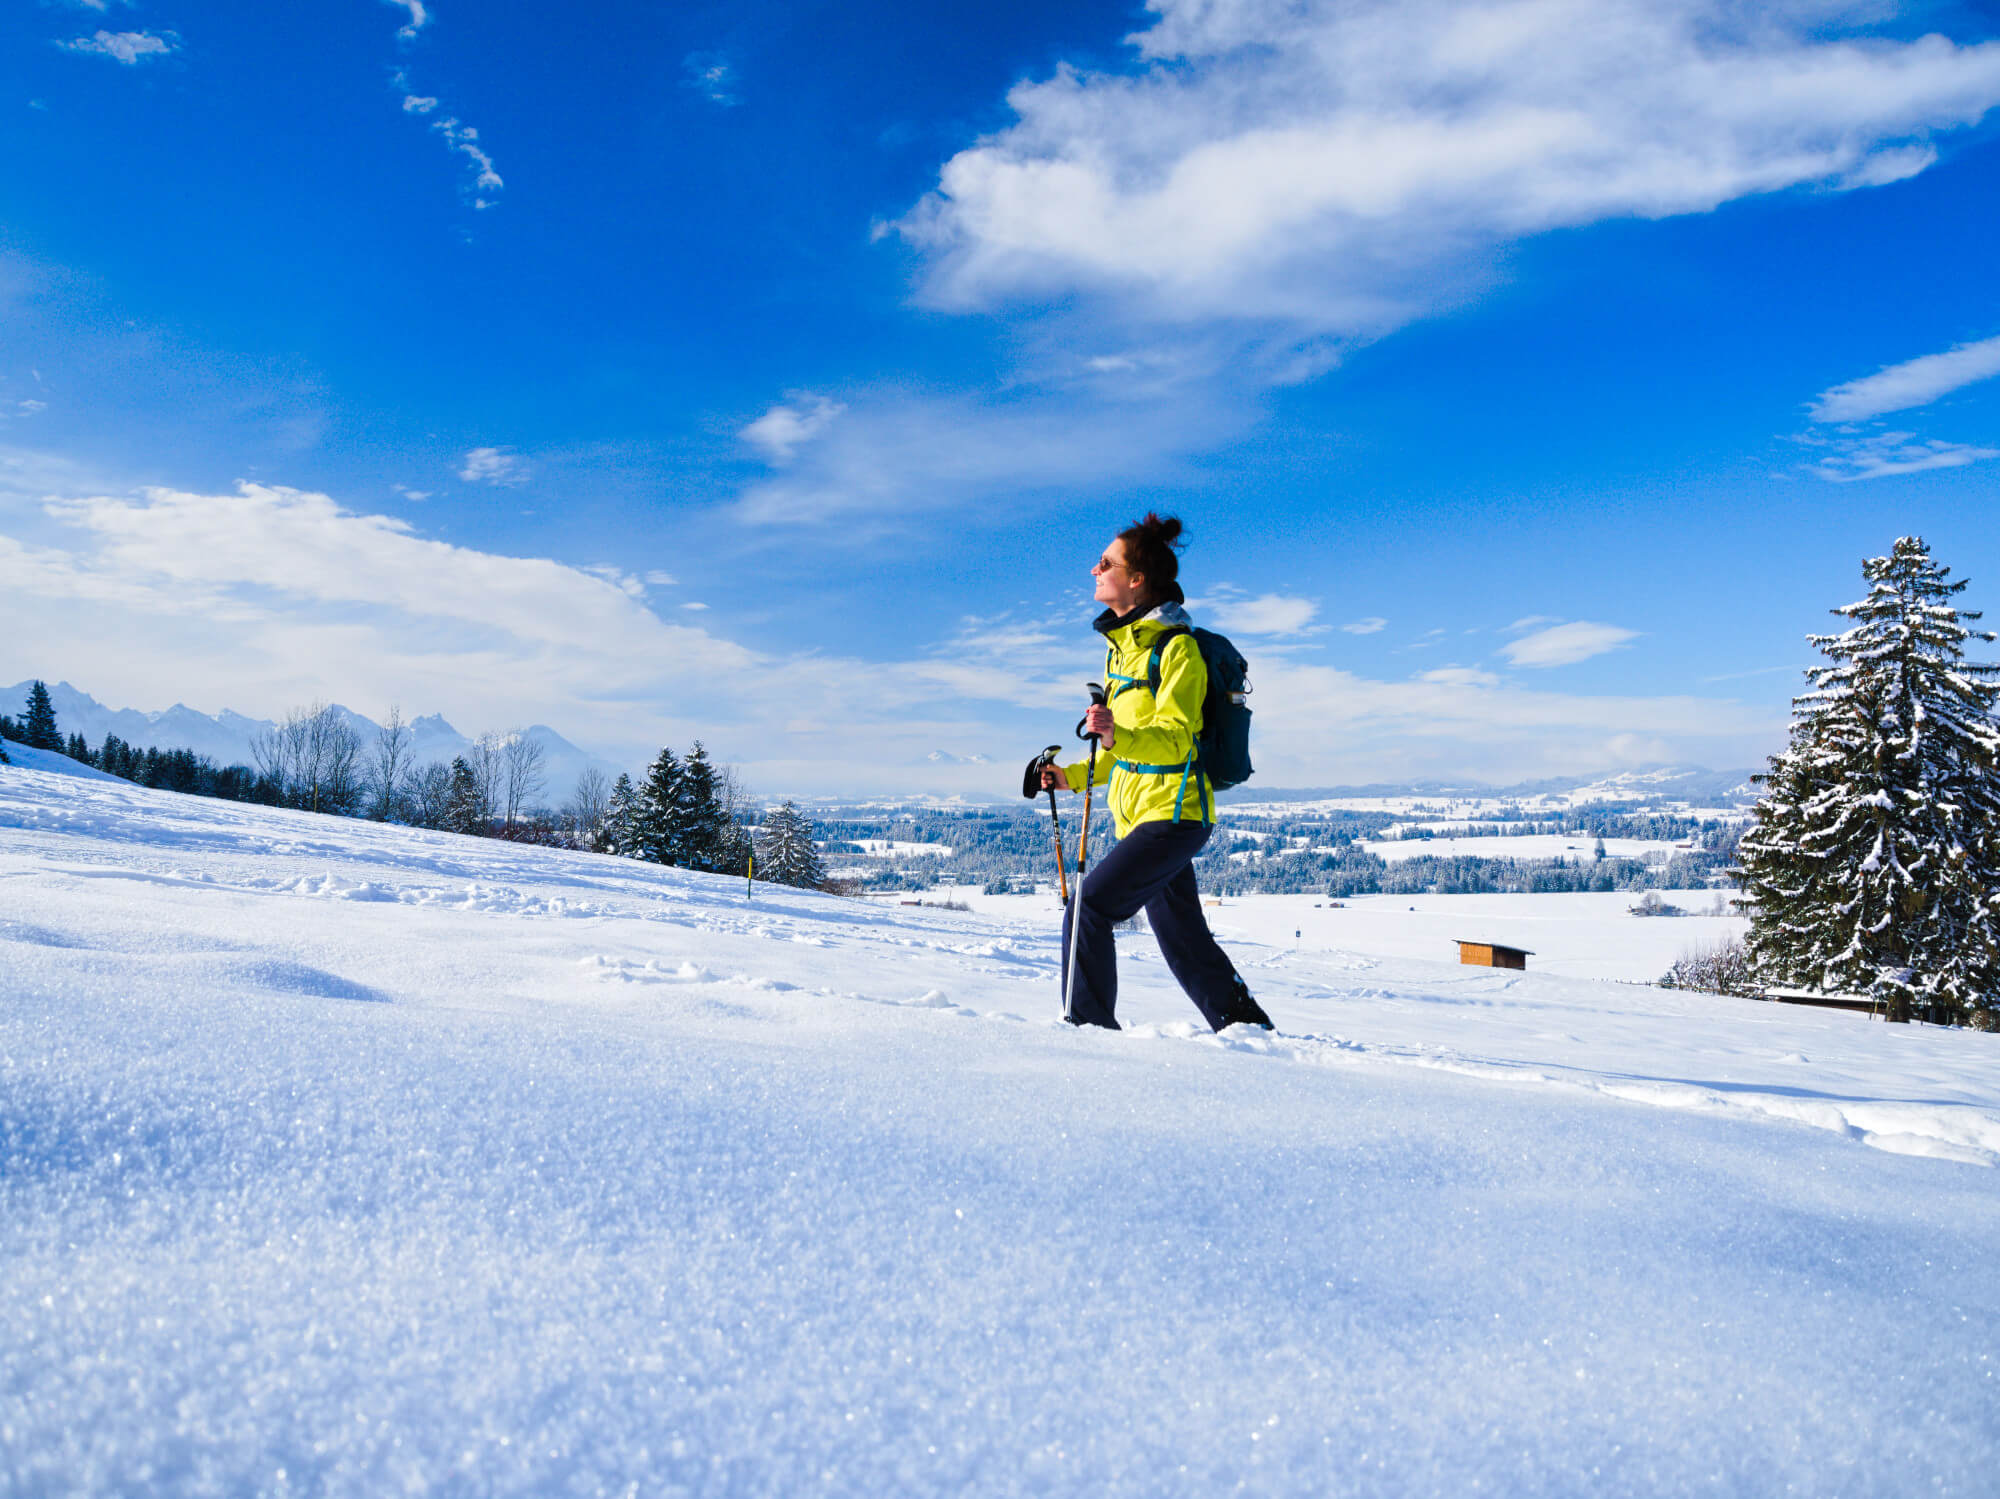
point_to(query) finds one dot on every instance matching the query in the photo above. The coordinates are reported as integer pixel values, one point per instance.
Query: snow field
(346, 1159)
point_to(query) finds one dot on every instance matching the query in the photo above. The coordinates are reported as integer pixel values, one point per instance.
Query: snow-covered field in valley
(347, 1159)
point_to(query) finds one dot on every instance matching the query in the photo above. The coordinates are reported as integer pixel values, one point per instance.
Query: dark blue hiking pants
(1151, 869)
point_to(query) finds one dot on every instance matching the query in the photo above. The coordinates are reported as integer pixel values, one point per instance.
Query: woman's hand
(1098, 721)
(1053, 778)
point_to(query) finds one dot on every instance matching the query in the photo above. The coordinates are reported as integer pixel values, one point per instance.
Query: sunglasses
(1105, 564)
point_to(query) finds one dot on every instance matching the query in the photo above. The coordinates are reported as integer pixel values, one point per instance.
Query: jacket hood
(1168, 615)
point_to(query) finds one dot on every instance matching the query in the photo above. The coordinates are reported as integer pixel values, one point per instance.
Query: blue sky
(1531, 376)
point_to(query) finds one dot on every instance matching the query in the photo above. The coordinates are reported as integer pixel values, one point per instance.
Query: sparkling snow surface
(337, 1158)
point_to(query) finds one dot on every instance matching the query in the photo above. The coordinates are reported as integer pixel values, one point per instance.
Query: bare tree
(485, 758)
(587, 806)
(314, 759)
(427, 794)
(521, 773)
(390, 764)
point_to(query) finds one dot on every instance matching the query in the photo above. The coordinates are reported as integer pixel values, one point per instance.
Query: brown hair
(1149, 551)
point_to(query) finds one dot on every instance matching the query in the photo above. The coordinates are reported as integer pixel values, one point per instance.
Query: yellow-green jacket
(1153, 772)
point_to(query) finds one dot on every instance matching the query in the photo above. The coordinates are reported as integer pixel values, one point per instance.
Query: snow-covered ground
(337, 1158)
(1579, 935)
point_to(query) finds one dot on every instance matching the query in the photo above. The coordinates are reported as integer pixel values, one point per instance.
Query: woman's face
(1118, 588)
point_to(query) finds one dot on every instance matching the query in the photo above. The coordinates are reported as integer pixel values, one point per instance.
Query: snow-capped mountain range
(226, 737)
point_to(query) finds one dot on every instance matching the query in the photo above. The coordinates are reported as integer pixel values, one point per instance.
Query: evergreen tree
(1872, 854)
(706, 826)
(618, 833)
(660, 830)
(78, 748)
(465, 808)
(39, 726)
(786, 854)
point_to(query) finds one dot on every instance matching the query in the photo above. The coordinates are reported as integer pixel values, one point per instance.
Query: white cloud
(493, 466)
(711, 75)
(1565, 645)
(411, 494)
(124, 46)
(1528, 622)
(418, 104)
(1345, 165)
(465, 140)
(1374, 624)
(418, 17)
(1884, 454)
(1915, 382)
(1270, 614)
(659, 579)
(1459, 676)
(780, 431)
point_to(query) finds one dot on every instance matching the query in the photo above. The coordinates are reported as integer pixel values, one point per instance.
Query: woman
(1161, 800)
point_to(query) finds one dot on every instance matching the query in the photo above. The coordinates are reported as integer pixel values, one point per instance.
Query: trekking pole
(1096, 691)
(1031, 787)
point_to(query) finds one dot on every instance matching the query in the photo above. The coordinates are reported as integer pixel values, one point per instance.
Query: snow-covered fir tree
(465, 806)
(659, 830)
(39, 727)
(786, 854)
(706, 826)
(1872, 862)
(619, 831)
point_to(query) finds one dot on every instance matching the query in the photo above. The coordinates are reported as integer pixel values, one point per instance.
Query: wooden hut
(1492, 954)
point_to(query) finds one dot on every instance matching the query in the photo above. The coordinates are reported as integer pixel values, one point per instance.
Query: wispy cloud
(127, 47)
(892, 455)
(1915, 382)
(779, 432)
(711, 75)
(484, 182)
(419, 17)
(1882, 455)
(493, 466)
(465, 140)
(1374, 624)
(1565, 645)
(1459, 676)
(1270, 614)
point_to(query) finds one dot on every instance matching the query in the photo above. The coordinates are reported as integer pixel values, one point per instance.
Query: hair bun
(1149, 551)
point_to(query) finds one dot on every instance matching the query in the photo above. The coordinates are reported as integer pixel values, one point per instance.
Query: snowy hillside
(341, 1158)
